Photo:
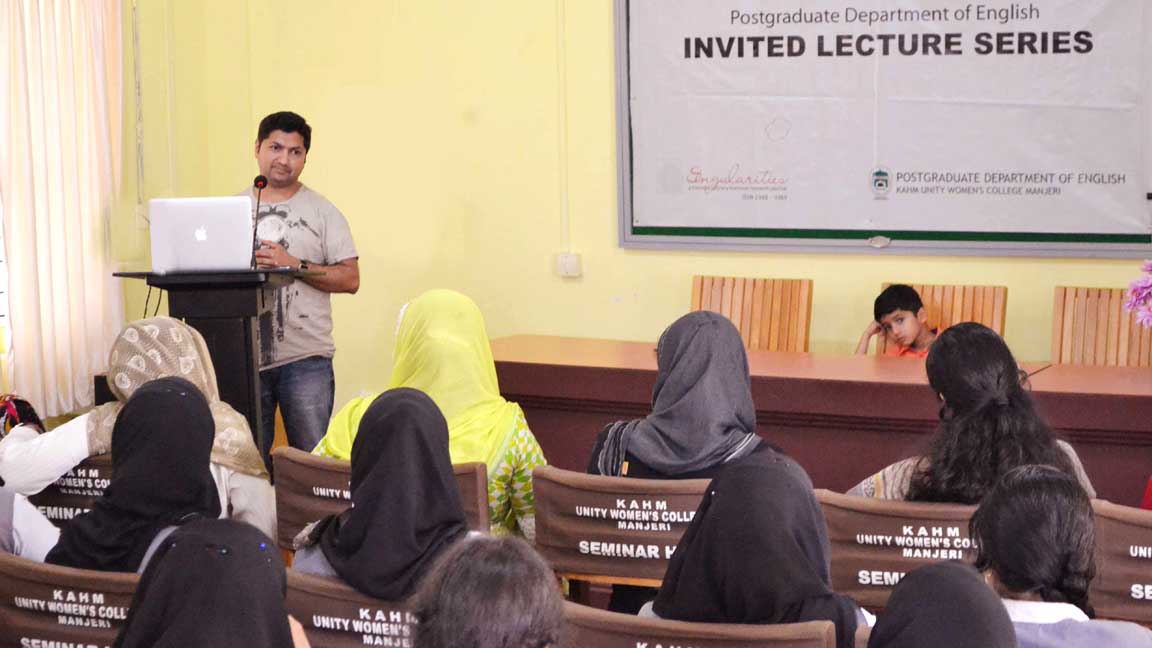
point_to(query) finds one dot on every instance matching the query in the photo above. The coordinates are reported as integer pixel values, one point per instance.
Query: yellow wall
(436, 133)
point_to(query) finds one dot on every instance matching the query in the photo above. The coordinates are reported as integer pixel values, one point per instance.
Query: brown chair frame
(589, 627)
(1090, 327)
(771, 314)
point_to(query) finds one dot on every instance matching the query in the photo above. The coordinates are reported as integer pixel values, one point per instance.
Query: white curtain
(60, 149)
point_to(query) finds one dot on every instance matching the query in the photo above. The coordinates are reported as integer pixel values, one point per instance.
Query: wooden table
(842, 417)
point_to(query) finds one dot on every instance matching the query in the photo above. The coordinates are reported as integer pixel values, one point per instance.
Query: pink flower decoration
(1140, 297)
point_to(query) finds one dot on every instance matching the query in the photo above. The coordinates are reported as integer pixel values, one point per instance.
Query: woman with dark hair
(1035, 537)
(988, 426)
(405, 502)
(212, 584)
(489, 592)
(756, 552)
(159, 480)
(702, 418)
(945, 605)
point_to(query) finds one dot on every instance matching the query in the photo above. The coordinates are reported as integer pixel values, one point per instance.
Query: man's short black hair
(286, 121)
(896, 297)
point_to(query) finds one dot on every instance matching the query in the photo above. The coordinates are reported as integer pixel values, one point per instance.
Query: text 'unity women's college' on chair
(948, 304)
(309, 487)
(876, 542)
(611, 530)
(589, 627)
(771, 314)
(1122, 588)
(49, 605)
(1091, 327)
(76, 491)
(336, 616)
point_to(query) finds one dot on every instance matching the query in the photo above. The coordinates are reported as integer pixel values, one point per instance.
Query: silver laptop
(201, 234)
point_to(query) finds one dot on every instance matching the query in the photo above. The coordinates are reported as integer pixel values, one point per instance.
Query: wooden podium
(226, 307)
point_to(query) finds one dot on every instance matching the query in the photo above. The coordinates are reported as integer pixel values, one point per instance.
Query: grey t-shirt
(300, 324)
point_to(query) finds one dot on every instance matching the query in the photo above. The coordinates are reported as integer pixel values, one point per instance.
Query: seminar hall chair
(611, 530)
(1122, 588)
(876, 542)
(49, 605)
(309, 487)
(335, 615)
(76, 491)
(952, 304)
(771, 314)
(588, 627)
(1091, 327)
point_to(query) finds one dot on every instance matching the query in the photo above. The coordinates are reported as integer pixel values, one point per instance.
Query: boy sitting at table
(899, 314)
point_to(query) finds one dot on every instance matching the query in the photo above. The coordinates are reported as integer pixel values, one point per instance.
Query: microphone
(259, 182)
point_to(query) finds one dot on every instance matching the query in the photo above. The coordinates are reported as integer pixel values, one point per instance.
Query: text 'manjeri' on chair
(589, 627)
(49, 605)
(309, 487)
(612, 530)
(75, 492)
(876, 542)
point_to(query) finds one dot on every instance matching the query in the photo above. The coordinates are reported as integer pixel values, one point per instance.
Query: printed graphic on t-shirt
(310, 228)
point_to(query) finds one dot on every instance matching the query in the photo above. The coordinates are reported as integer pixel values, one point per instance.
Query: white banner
(942, 120)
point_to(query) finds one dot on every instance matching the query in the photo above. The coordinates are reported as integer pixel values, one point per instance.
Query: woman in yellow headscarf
(442, 349)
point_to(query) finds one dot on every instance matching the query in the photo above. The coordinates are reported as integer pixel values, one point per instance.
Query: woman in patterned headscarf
(147, 350)
(442, 350)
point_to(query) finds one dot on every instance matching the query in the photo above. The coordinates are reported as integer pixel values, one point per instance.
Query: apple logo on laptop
(201, 234)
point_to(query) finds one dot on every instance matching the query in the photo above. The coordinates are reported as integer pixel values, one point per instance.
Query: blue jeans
(304, 390)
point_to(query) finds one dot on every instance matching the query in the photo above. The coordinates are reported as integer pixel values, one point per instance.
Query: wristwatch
(303, 266)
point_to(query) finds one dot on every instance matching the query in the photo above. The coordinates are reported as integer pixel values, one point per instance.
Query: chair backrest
(875, 542)
(611, 529)
(75, 492)
(589, 627)
(950, 304)
(1122, 588)
(771, 314)
(1091, 327)
(335, 615)
(49, 605)
(309, 487)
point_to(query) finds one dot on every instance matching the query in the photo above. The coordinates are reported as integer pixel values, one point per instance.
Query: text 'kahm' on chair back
(75, 492)
(49, 605)
(876, 542)
(335, 615)
(611, 529)
(592, 628)
(1122, 588)
(771, 314)
(309, 487)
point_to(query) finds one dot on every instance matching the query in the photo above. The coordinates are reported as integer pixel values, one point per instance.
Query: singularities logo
(881, 182)
(734, 179)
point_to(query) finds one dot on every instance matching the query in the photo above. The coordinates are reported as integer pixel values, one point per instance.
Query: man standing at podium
(298, 228)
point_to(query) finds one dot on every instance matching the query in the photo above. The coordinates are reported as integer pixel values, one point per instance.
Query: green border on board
(896, 235)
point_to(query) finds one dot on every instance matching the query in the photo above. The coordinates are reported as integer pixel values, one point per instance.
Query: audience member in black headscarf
(702, 412)
(212, 584)
(702, 418)
(161, 448)
(944, 605)
(489, 592)
(756, 552)
(405, 502)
